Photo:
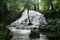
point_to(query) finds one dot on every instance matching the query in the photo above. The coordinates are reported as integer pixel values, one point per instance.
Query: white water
(23, 34)
(36, 19)
(21, 30)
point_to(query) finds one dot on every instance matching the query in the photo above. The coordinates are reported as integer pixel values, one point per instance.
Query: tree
(37, 5)
(3, 11)
(52, 8)
(28, 13)
(34, 5)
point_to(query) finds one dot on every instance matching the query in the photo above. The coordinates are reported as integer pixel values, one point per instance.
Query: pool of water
(23, 34)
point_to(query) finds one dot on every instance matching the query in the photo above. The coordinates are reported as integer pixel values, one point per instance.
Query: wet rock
(30, 24)
(34, 33)
(8, 35)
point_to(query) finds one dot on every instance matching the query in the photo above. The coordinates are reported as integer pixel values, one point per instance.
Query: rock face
(36, 18)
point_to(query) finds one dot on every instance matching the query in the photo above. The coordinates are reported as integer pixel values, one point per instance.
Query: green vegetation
(10, 10)
(52, 28)
(2, 30)
(34, 33)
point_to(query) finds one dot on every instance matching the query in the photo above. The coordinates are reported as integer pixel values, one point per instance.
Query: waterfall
(36, 18)
(20, 27)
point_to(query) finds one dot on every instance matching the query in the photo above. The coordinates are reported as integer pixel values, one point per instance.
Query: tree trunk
(37, 5)
(34, 7)
(4, 12)
(52, 8)
(28, 13)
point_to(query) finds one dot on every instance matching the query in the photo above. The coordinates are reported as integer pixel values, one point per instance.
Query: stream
(21, 30)
(23, 34)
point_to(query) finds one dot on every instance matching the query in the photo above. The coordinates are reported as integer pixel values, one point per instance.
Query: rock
(34, 33)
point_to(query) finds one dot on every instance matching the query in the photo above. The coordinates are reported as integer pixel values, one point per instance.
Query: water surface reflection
(23, 34)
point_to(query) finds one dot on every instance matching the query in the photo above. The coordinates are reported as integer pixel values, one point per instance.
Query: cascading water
(18, 27)
(36, 19)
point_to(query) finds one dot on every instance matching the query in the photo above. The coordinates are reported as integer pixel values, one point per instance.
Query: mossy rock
(34, 34)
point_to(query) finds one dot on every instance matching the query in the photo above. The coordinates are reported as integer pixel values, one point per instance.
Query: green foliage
(16, 5)
(46, 5)
(2, 35)
(34, 34)
(10, 9)
(2, 30)
(3, 26)
(54, 27)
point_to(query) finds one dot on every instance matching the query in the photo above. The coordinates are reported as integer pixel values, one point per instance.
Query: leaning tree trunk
(28, 13)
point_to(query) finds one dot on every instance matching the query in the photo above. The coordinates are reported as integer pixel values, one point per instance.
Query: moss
(34, 34)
